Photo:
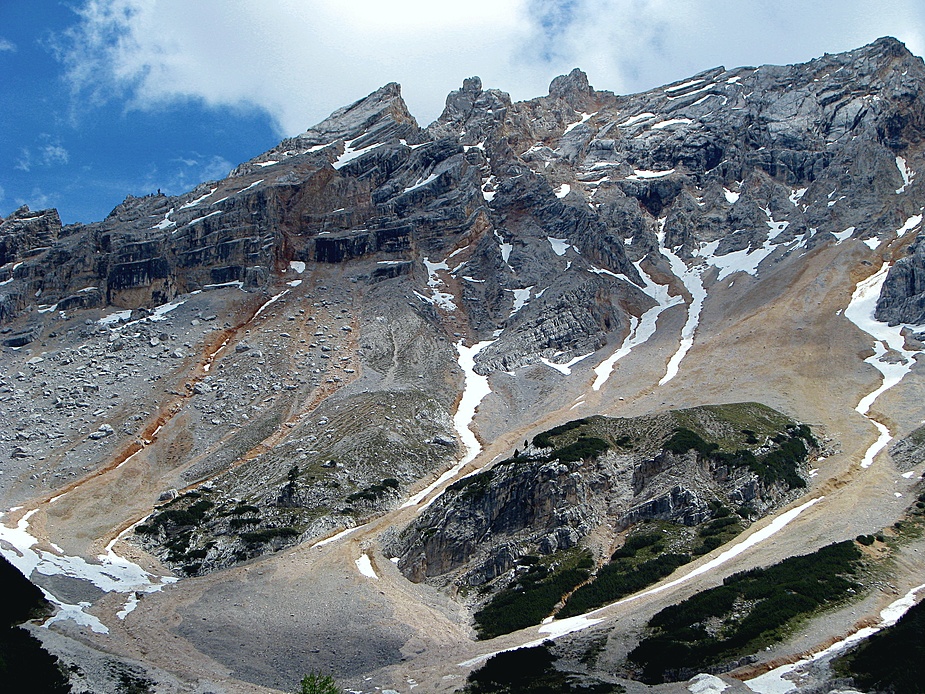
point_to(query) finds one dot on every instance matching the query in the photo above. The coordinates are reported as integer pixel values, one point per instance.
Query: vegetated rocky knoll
(308, 380)
(586, 482)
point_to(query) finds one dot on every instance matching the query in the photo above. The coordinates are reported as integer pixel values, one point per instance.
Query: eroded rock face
(501, 211)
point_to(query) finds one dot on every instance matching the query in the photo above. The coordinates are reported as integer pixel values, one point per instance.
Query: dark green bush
(264, 535)
(238, 523)
(544, 440)
(583, 448)
(684, 440)
(620, 578)
(534, 595)
(772, 598)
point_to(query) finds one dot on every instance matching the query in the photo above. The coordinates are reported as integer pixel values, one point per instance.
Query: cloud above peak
(301, 59)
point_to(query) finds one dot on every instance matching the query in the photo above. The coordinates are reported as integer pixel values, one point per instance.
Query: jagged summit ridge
(711, 163)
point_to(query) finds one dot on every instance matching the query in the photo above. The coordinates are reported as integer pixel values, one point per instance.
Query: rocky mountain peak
(572, 88)
(470, 113)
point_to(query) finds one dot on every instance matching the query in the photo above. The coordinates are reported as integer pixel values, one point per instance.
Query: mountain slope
(345, 325)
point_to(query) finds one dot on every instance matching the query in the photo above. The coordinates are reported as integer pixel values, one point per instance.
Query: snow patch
(563, 190)
(641, 329)
(890, 357)
(670, 122)
(731, 198)
(584, 118)
(907, 174)
(796, 195)
(632, 120)
(475, 389)
(350, 153)
(521, 297)
(843, 235)
(113, 574)
(559, 246)
(566, 368)
(421, 183)
(193, 203)
(641, 174)
(117, 317)
(910, 224)
(298, 266)
(693, 282)
(365, 567)
(438, 298)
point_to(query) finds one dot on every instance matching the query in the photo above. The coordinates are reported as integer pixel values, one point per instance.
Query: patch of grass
(754, 609)
(535, 593)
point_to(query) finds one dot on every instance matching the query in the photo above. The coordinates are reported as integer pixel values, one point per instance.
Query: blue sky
(104, 98)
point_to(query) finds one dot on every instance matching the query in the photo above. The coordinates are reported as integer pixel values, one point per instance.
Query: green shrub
(684, 440)
(755, 606)
(619, 578)
(892, 660)
(534, 595)
(583, 448)
(530, 671)
(316, 683)
(265, 535)
(544, 440)
(867, 540)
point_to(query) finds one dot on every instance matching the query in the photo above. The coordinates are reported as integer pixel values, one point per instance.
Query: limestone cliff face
(537, 218)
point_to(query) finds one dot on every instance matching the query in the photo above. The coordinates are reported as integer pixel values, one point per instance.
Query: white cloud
(7, 46)
(190, 171)
(301, 59)
(49, 154)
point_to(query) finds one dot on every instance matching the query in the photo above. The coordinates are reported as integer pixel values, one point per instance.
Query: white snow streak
(641, 329)
(640, 174)
(350, 153)
(890, 358)
(670, 122)
(421, 183)
(632, 120)
(474, 391)
(693, 282)
(566, 368)
(584, 117)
